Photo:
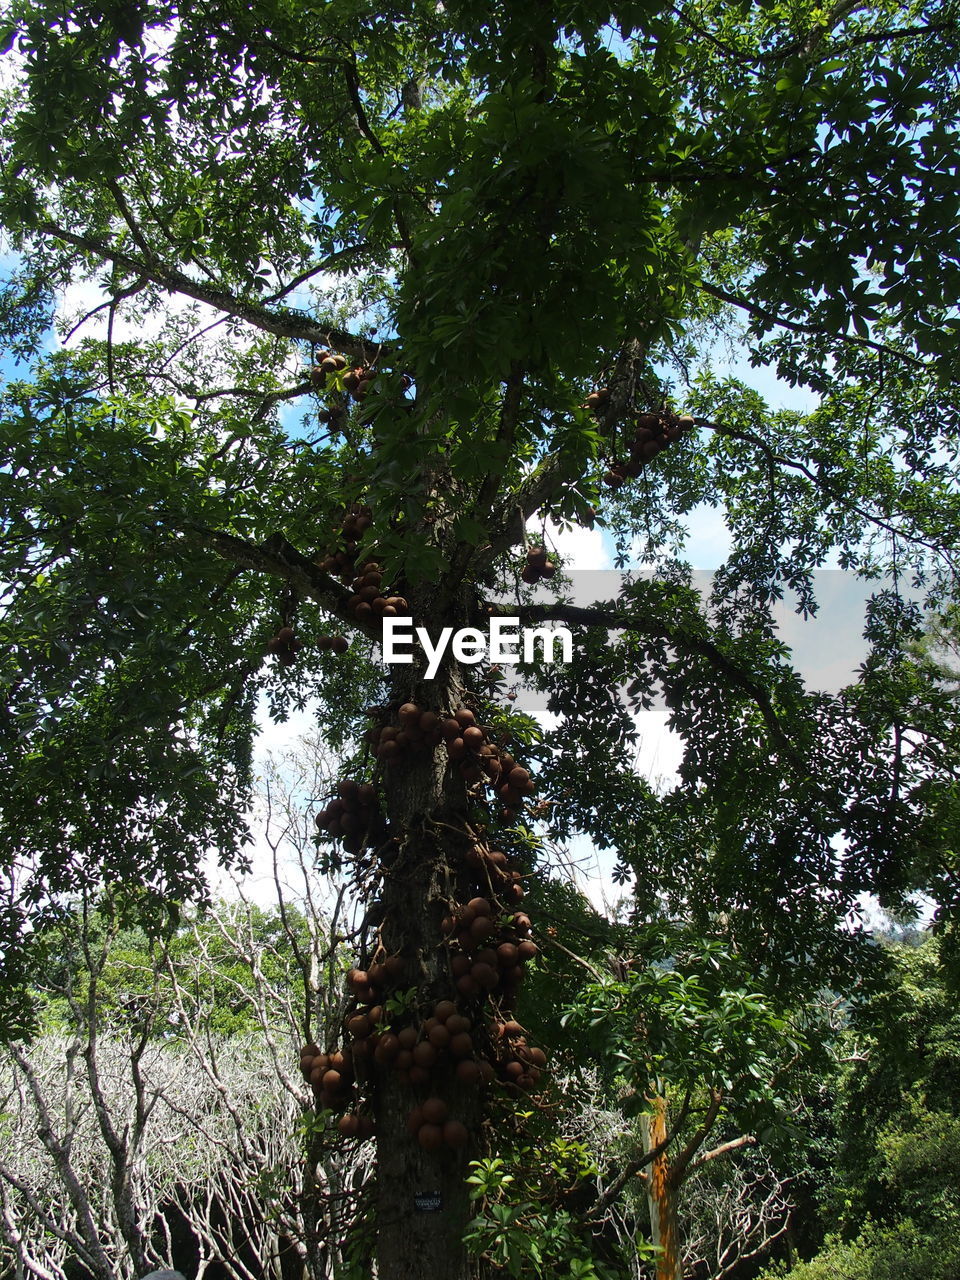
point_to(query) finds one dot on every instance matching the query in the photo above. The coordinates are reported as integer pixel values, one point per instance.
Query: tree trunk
(661, 1195)
(423, 1204)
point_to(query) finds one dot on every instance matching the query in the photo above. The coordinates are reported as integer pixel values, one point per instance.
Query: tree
(487, 252)
(889, 1201)
(156, 1122)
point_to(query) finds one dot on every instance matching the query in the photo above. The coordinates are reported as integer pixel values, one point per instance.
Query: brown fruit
(444, 1009)
(507, 955)
(473, 737)
(388, 1048)
(485, 976)
(467, 987)
(530, 575)
(407, 1037)
(439, 1036)
(409, 713)
(340, 644)
(358, 1026)
(414, 1121)
(527, 950)
(349, 1125)
(482, 928)
(457, 1023)
(465, 718)
(332, 1080)
(425, 1054)
(461, 1045)
(450, 729)
(435, 1110)
(357, 980)
(430, 1137)
(468, 1071)
(459, 965)
(455, 1134)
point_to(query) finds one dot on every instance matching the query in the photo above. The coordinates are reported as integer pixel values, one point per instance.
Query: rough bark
(422, 1197)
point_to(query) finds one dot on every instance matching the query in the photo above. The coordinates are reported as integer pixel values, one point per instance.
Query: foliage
(522, 1226)
(683, 1013)
(890, 1192)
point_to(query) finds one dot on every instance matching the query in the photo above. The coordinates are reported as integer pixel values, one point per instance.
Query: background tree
(488, 251)
(155, 1121)
(888, 1198)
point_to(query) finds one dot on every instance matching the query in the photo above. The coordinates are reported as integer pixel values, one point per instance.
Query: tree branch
(284, 323)
(633, 1167)
(796, 326)
(745, 1140)
(614, 619)
(679, 1168)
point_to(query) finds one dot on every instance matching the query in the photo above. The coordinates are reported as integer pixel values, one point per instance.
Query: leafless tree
(136, 1108)
(732, 1218)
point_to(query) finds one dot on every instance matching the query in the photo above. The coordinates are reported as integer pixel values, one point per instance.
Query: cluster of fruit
(432, 1127)
(354, 817)
(285, 645)
(538, 566)
(597, 400)
(357, 381)
(488, 950)
(415, 729)
(337, 644)
(418, 1051)
(653, 433)
(517, 1062)
(331, 1077)
(326, 362)
(480, 759)
(425, 1051)
(370, 599)
(342, 562)
(493, 871)
(470, 747)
